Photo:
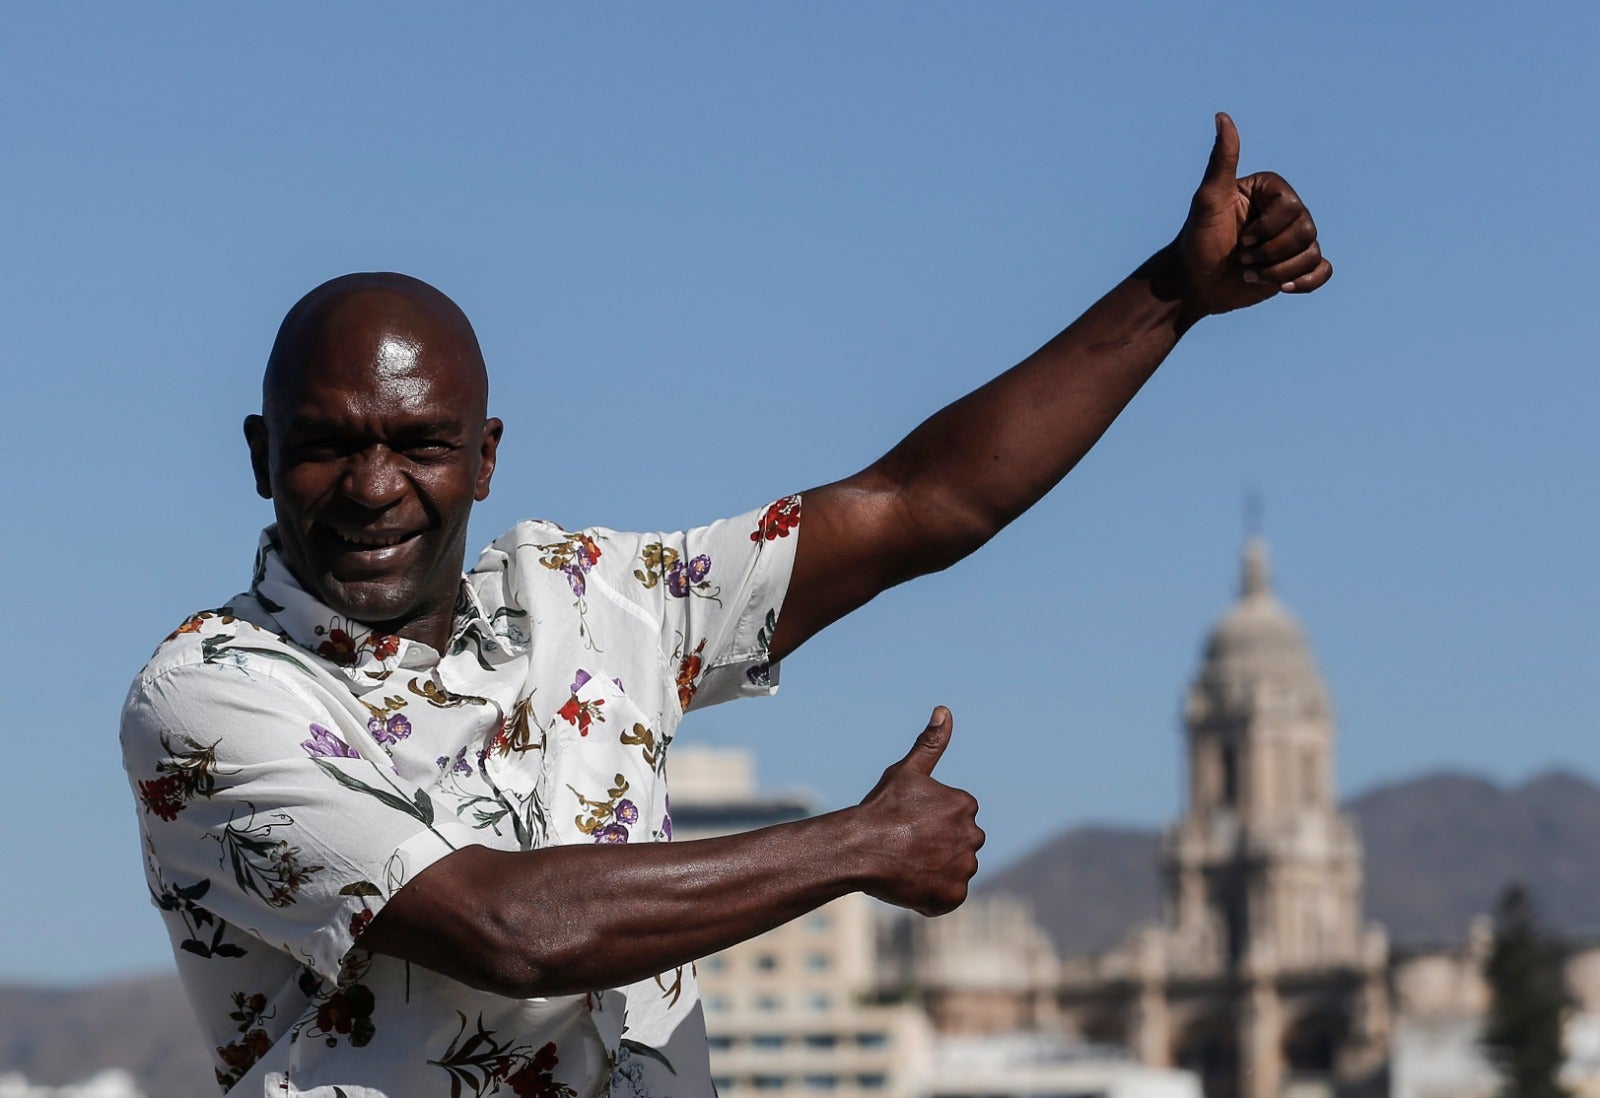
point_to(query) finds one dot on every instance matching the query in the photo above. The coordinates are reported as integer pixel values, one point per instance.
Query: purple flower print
(627, 812)
(579, 679)
(389, 732)
(611, 833)
(325, 745)
(666, 821)
(458, 765)
(681, 576)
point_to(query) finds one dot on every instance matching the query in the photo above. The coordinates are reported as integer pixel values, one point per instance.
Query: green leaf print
(640, 1049)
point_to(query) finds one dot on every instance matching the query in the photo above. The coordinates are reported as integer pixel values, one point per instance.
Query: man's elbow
(520, 963)
(470, 918)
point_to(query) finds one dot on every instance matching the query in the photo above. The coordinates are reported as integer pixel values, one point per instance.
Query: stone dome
(1258, 642)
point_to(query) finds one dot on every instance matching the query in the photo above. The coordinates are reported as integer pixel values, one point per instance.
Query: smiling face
(373, 445)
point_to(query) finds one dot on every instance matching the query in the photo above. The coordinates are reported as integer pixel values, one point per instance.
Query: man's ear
(255, 435)
(492, 429)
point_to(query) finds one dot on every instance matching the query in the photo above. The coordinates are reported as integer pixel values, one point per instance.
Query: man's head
(373, 443)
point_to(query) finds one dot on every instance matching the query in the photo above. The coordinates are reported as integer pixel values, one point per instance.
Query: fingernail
(1287, 287)
(1247, 241)
(1252, 276)
(1246, 258)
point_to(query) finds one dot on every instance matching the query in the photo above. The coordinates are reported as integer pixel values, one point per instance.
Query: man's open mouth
(381, 540)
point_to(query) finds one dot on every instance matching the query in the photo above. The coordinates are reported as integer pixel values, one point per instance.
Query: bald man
(406, 825)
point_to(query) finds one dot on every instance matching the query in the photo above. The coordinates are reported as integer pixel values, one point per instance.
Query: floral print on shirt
(293, 769)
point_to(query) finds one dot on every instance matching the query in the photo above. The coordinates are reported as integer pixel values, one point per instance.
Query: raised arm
(971, 468)
(567, 919)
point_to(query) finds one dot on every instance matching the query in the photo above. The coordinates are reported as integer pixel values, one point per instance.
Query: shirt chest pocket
(603, 764)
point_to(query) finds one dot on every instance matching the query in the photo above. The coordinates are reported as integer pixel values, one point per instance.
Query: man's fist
(922, 836)
(1246, 239)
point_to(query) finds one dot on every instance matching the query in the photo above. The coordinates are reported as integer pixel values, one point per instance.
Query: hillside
(1438, 850)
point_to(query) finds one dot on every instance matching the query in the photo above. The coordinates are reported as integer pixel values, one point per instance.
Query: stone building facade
(1263, 978)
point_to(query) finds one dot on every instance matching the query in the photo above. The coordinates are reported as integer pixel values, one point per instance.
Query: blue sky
(718, 253)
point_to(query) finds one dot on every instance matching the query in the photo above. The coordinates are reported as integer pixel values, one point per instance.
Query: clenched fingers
(1278, 245)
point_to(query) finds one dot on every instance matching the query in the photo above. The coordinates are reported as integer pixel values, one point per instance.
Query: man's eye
(318, 449)
(429, 448)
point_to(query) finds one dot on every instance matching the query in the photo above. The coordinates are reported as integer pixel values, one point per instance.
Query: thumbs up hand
(1246, 239)
(921, 837)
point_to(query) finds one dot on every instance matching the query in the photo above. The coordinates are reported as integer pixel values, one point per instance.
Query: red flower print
(384, 648)
(242, 1055)
(780, 518)
(163, 796)
(536, 1080)
(581, 713)
(688, 672)
(359, 922)
(335, 1014)
(340, 648)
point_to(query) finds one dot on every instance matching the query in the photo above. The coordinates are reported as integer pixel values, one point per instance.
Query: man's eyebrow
(430, 427)
(316, 425)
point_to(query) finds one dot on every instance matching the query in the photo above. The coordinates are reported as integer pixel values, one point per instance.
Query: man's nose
(373, 478)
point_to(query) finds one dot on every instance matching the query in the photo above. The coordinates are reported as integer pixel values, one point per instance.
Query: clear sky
(718, 253)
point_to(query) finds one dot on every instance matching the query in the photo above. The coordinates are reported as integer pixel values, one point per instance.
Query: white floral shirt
(294, 769)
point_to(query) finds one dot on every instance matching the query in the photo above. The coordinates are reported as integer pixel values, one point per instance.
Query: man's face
(373, 447)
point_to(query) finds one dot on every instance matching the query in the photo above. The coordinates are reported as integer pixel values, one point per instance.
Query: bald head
(373, 444)
(376, 320)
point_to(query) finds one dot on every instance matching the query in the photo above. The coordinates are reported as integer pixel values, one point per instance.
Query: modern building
(793, 1011)
(807, 1009)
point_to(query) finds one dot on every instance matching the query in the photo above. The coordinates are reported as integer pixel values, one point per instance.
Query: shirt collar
(355, 650)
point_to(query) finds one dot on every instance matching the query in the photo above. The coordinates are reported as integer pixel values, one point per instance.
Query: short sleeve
(717, 592)
(255, 807)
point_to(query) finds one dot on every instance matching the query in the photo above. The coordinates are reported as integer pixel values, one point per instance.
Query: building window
(1230, 776)
(819, 1002)
(722, 1082)
(768, 1002)
(712, 964)
(821, 1040)
(767, 1040)
(872, 1040)
(716, 1004)
(768, 1082)
(821, 1082)
(818, 961)
(766, 962)
(874, 1081)
(817, 923)
(718, 1042)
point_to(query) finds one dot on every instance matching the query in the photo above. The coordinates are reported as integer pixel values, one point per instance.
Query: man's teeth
(375, 541)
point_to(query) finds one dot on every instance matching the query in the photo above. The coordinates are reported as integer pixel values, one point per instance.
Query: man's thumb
(1222, 170)
(931, 742)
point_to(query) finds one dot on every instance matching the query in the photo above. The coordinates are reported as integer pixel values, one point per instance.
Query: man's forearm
(980, 462)
(571, 919)
(972, 467)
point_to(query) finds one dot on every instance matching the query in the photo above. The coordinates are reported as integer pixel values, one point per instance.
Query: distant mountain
(56, 1036)
(1089, 885)
(1438, 850)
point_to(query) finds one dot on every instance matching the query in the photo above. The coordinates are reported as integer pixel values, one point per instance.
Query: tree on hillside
(1522, 1035)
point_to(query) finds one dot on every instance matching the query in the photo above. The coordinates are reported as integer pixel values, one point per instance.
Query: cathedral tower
(1263, 862)
(1272, 983)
